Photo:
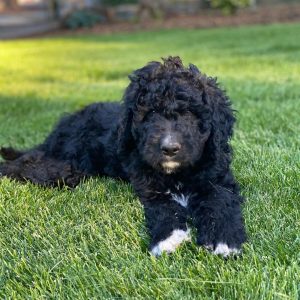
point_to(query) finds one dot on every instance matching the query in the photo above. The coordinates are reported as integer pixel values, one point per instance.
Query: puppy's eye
(148, 114)
(153, 111)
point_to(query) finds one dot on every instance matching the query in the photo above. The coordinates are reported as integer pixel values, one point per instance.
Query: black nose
(170, 149)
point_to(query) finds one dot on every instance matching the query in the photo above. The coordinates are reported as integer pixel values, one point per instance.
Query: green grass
(91, 243)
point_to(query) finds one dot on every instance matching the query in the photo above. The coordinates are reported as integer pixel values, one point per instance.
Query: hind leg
(35, 167)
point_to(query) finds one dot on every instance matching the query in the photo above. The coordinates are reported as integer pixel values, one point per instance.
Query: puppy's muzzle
(170, 146)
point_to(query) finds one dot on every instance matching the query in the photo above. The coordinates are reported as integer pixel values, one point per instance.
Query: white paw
(170, 244)
(224, 250)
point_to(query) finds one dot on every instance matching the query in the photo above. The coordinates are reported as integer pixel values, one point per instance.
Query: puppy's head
(173, 114)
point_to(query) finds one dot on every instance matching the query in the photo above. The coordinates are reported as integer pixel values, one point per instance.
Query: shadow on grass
(25, 121)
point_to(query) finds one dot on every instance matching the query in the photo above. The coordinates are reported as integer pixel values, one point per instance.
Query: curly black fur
(169, 138)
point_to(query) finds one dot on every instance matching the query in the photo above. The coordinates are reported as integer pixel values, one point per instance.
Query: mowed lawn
(91, 242)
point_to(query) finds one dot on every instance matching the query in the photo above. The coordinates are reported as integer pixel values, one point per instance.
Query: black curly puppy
(169, 138)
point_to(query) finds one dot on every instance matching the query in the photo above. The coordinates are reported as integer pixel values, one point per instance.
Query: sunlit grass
(91, 243)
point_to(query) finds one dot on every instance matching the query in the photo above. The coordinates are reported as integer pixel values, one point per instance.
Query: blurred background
(19, 18)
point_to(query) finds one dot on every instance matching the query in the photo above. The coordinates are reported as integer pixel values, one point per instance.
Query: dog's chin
(170, 167)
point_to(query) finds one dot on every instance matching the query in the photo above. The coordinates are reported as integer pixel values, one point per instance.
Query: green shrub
(229, 6)
(82, 18)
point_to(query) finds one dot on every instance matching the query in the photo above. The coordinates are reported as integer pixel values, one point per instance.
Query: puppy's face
(172, 137)
(174, 116)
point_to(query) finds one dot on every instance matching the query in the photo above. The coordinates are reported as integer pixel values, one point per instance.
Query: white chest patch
(182, 199)
(170, 244)
(224, 250)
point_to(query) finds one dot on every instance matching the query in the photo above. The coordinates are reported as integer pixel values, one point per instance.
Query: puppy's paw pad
(225, 251)
(170, 244)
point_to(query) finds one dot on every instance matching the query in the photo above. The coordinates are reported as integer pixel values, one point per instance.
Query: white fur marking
(170, 166)
(209, 247)
(224, 250)
(181, 199)
(170, 244)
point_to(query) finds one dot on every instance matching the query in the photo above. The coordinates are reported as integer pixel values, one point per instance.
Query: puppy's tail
(9, 153)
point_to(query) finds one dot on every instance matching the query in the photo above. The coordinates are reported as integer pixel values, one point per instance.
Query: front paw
(170, 244)
(221, 248)
(224, 250)
(225, 241)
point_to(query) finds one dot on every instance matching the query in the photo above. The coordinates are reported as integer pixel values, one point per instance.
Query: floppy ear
(125, 139)
(222, 121)
(133, 98)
